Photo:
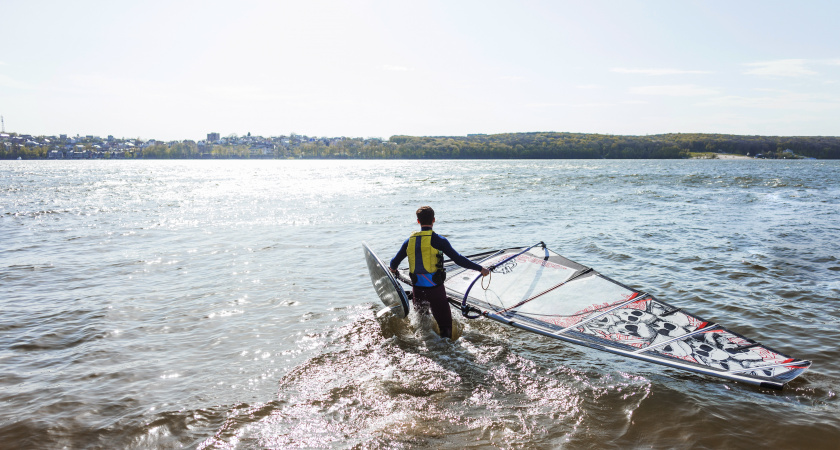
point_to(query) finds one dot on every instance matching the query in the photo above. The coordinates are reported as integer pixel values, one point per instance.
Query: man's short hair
(425, 215)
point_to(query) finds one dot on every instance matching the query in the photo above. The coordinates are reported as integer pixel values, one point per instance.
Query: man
(425, 250)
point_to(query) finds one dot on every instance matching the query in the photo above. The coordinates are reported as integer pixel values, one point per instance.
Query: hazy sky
(180, 69)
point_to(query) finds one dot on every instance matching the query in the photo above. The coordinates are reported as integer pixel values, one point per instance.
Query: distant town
(536, 145)
(25, 146)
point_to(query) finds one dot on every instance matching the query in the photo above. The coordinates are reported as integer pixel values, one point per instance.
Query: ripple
(226, 303)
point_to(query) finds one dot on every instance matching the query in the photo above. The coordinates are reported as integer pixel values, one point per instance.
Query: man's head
(425, 216)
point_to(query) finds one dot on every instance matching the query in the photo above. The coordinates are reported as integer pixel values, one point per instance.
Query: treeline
(22, 152)
(189, 150)
(497, 146)
(590, 146)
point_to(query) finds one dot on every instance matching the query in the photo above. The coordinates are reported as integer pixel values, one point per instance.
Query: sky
(178, 69)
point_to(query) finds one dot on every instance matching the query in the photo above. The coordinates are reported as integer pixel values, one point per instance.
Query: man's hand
(485, 272)
(394, 271)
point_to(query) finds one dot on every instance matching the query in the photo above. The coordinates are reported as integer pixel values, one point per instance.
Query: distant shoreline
(723, 156)
(535, 145)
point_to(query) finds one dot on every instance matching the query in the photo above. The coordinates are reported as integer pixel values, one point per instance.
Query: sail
(544, 292)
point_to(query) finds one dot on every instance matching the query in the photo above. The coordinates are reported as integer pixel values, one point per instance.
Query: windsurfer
(425, 250)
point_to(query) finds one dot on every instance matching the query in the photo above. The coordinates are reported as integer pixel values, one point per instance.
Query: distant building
(213, 137)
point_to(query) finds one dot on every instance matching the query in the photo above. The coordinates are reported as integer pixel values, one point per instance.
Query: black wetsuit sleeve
(395, 263)
(441, 243)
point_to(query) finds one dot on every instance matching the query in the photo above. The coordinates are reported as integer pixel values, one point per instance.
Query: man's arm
(443, 245)
(395, 263)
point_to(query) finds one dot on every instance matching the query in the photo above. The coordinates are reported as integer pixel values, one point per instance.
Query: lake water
(226, 304)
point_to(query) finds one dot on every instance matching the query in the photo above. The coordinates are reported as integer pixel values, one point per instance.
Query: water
(226, 304)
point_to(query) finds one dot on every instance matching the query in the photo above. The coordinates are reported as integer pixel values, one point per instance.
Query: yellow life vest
(425, 263)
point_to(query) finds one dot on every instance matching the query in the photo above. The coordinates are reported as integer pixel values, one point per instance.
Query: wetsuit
(428, 288)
